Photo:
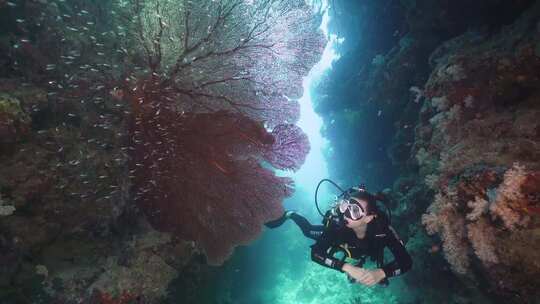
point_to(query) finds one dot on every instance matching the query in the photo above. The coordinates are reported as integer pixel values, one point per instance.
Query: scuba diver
(357, 228)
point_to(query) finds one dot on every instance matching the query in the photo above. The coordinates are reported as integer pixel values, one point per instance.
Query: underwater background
(144, 144)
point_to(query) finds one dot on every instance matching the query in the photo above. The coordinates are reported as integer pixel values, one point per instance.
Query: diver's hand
(368, 277)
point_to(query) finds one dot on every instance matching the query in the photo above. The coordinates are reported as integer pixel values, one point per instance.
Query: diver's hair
(382, 219)
(372, 207)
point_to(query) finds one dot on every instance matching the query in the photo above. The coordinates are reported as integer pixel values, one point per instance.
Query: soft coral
(105, 298)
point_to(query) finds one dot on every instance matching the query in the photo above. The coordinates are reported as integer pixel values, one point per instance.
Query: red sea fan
(199, 176)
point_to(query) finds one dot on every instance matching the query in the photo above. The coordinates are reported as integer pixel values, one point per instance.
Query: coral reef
(452, 90)
(14, 122)
(481, 154)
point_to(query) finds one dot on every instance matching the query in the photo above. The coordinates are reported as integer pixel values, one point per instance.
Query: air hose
(389, 213)
(317, 191)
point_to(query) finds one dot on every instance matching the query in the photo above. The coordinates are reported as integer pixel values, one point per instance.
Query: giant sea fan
(232, 66)
(200, 176)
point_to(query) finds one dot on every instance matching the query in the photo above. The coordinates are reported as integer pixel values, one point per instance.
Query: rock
(6, 210)
(14, 122)
(42, 270)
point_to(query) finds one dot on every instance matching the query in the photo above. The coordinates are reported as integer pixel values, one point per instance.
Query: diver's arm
(402, 260)
(319, 252)
(326, 260)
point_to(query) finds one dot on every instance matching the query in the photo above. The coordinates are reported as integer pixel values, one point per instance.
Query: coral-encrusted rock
(484, 95)
(6, 209)
(14, 122)
(32, 99)
(484, 104)
(144, 271)
(64, 186)
(141, 265)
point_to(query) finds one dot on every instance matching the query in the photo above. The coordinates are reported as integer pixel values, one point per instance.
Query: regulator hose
(388, 211)
(317, 191)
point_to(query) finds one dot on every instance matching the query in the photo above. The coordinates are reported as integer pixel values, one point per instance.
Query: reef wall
(451, 92)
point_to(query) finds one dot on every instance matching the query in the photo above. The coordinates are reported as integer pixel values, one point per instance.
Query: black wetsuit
(379, 235)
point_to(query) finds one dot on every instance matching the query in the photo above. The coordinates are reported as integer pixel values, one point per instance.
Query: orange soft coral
(511, 204)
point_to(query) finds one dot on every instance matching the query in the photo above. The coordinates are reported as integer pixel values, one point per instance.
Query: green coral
(12, 107)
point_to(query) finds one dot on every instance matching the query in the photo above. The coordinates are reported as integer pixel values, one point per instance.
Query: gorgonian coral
(200, 176)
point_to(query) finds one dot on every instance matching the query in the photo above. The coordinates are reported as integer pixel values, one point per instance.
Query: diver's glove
(368, 277)
(279, 221)
(384, 282)
(289, 213)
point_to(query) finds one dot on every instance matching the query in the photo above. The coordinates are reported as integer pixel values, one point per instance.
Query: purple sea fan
(290, 147)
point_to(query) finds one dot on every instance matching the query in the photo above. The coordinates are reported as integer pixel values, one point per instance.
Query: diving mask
(352, 208)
